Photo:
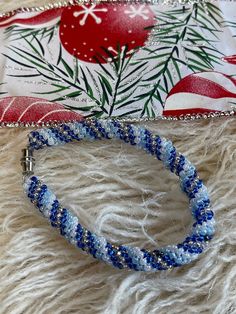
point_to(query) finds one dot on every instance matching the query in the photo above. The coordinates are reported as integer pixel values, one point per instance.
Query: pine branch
(61, 76)
(183, 38)
(115, 82)
(111, 88)
(232, 25)
(16, 32)
(2, 92)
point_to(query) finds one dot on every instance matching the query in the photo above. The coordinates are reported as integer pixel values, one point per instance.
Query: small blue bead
(210, 214)
(81, 245)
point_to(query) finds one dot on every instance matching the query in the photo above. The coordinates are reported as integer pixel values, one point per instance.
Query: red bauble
(201, 92)
(24, 109)
(87, 30)
(32, 20)
(230, 59)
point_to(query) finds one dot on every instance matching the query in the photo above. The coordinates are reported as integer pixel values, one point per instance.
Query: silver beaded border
(187, 117)
(61, 4)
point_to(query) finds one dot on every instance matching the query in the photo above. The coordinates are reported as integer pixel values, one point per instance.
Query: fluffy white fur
(120, 192)
(127, 196)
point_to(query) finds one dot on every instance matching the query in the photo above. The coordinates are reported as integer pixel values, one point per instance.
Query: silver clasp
(27, 161)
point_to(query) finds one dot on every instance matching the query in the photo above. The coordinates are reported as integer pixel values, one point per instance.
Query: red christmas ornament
(230, 59)
(34, 20)
(24, 109)
(3, 19)
(201, 92)
(89, 30)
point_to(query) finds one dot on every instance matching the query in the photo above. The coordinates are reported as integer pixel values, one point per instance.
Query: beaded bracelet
(122, 256)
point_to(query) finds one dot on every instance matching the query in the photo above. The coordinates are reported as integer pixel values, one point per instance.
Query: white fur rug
(127, 196)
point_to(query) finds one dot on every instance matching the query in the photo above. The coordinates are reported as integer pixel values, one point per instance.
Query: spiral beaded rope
(122, 256)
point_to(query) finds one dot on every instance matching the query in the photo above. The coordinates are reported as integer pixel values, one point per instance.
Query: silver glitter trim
(187, 117)
(61, 4)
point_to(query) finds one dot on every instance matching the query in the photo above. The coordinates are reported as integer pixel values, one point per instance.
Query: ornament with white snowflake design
(95, 32)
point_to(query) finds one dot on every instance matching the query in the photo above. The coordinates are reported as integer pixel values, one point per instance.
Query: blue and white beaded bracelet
(122, 256)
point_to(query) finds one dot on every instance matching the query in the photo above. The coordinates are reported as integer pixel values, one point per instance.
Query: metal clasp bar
(27, 161)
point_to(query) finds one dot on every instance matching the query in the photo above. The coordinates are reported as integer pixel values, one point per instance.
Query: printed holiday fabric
(118, 60)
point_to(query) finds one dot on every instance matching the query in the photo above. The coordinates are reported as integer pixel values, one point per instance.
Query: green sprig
(15, 32)
(182, 43)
